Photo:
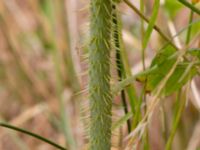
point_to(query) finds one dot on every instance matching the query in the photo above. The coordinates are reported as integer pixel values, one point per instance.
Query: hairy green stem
(99, 75)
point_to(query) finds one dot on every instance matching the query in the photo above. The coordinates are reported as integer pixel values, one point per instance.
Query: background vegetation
(154, 60)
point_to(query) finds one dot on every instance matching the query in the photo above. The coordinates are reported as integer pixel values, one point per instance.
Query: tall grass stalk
(166, 38)
(179, 110)
(145, 41)
(188, 36)
(190, 6)
(124, 69)
(64, 117)
(116, 36)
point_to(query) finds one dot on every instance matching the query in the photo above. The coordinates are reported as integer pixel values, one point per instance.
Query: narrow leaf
(151, 24)
(122, 120)
(33, 135)
(194, 52)
(190, 6)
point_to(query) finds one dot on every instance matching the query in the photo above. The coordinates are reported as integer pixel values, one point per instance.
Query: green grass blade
(122, 120)
(190, 6)
(138, 114)
(151, 24)
(49, 8)
(188, 36)
(126, 82)
(142, 31)
(131, 91)
(147, 20)
(116, 35)
(33, 135)
(19, 142)
(180, 107)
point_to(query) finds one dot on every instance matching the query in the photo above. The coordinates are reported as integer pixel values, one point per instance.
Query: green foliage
(180, 105)
(190, 6)
(164, 60)
(151, 24)
(182, 74)
(194, 52)
(122, 120)
(123, 66)
(116, 1)
(171, 68)
(195, 29)
(118, 46)
(172, 7)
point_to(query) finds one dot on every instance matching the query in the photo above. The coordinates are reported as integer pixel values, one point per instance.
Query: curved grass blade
(33, 135)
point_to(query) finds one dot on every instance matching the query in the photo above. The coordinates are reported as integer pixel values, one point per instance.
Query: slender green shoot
(144, 45)
(126, 82)
(19, 142)
(152, 22)
(120, 66)
(142, 5)
(179, 110)
(65, 121)
(125, 67)
(143, 93)
(122, 120)
(33, 135)
(189, 28)
(147, 20)
(190, 6)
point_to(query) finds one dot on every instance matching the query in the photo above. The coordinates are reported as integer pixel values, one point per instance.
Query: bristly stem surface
(99, 75)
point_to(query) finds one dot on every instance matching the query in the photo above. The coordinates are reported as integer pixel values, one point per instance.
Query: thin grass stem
(33, 135)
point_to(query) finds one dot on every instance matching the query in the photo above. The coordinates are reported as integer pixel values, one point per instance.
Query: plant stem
(33, 135)
(143, 95)
(120, 66)
(147, 20)
(64, 118)
(180, 107)
(190, 28)
(187, 4)
(142, 33)
(99, 75)
(70, 66)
